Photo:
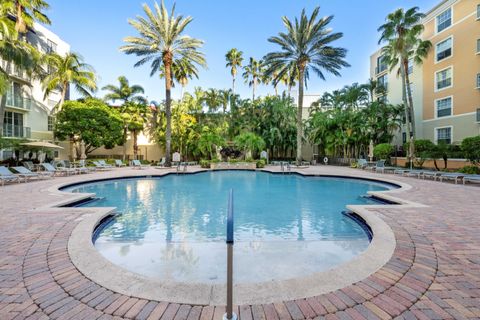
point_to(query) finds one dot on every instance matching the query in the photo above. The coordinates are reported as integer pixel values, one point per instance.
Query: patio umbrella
(370, 150)
(83, 156)
(42, 145)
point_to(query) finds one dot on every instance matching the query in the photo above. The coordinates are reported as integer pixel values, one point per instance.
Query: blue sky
(95, 29)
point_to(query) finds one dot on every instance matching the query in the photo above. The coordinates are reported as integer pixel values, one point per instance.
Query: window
(410, 66)
(444, 20)
(443, 79)
(478, 46)
(443, 49)
(13, 124)
(478, 80)
(444, 135)
(51, 123)
(382, 82)
(444, 107)
(51, 46)
(381, 64)
(478, 11)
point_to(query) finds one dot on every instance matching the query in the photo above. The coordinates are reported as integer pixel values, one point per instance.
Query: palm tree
(183, 71)
(26, 12)
(402, 34)
(234, 60)
(162, 41)
(126, 94)
(306, 45)
(65, 71)
(135, 116)
(213, 99)
(252, 74)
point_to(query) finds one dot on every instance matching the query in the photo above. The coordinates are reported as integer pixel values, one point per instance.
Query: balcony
(14, 71)
(18, 102)
(12, 131)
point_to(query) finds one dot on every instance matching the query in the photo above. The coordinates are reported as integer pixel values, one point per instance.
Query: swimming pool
(286, 226)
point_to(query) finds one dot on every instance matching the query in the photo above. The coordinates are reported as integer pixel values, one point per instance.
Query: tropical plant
(213, 99)
(124, 92)
(402, 33)
(128, 95)
(66, 71)
(26, 12)
(307, 45)
(162, 41)
(234, 59)
(471, 149)
(209, 140)
(382, 151)
(252, 74)
(249, 142)
(135, 117)
(91, 121)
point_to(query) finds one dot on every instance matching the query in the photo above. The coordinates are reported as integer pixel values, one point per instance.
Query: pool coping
(100, 270)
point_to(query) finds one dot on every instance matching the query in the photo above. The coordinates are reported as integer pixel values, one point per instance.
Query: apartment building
(27, 113)
(446, 87)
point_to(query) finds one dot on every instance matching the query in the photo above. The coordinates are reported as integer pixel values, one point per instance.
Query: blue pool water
(286, 226)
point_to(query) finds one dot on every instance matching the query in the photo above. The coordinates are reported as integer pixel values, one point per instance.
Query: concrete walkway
(434, 272)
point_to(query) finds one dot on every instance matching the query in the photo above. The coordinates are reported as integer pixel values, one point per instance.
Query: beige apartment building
(446, 87)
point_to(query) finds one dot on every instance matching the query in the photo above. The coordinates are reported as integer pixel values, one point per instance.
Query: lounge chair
(29, 165)
(471, 178)
(119, 163)
(431, 174)
(106, 165)
(8, 176)
(362, 164)
(100, 166)
(415, 173)
(82, 166)
(55, 172)
(451, 176)
(136, 164)
(65, 166)
(26, 174)
(401, 171)
(161, 163)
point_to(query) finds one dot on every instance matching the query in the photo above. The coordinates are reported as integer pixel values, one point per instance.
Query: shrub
(205, 164)
(470, 170)
(261, 163)
(382, 150)
(471, 149)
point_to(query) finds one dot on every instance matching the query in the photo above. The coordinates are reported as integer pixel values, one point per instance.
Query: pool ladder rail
(285, 167)
(179, 167)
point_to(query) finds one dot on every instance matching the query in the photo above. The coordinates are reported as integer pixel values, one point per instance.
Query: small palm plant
(162, 42)
(305, 46)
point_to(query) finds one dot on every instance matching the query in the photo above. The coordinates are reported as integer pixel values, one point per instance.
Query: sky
(96, 28)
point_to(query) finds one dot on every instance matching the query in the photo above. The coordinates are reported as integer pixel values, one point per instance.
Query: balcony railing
(19, 102)
(12, 131)
(13, 70)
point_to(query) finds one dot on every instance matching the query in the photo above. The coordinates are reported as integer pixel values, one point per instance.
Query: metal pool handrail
(230, 315)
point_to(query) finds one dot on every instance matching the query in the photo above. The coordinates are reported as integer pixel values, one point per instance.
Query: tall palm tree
(402, 34)
(126, 94)
(306, 45)
(213, 99)
(183, 71)
(252, 74)
(234, 59)
(162, 41)
(68, 70)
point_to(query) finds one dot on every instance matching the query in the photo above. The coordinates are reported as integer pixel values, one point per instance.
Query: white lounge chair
(26, 174)
(65, 167)
(431, 174)
(8, 176)
(136, 164)
(471, 178)
(55, 172)
(119, 163)
(101, 167)
(106, 165)
(451, 176)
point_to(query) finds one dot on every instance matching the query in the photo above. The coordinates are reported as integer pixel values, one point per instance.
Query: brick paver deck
(433, 274)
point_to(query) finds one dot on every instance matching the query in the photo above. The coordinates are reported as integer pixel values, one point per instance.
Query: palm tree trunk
(253, 91)
(410, 98)
(3, 103)
(405, 105)
(299, 115)
(167, 60)
(135, 145)
(233, 85)
(124, 156)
